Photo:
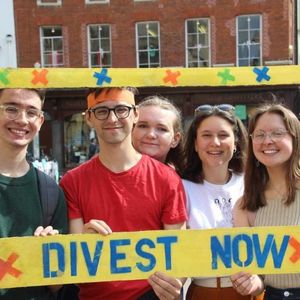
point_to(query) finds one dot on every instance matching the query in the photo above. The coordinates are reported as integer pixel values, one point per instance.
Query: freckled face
(154, 133)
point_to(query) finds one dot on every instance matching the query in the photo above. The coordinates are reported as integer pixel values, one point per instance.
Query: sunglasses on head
(206, 108)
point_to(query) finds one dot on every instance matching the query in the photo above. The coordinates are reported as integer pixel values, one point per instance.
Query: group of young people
(147, 177)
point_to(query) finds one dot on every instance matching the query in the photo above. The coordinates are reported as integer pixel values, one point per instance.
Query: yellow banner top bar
(148, 77)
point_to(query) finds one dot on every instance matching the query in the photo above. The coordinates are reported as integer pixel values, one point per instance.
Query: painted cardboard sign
(32, 261)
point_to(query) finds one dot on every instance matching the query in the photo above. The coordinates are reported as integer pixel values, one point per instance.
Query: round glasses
(120, 111)
(13, 112)
(206, 108)
(277, 135)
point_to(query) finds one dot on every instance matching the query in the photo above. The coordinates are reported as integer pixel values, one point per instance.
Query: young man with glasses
(21, 211)
(122, 190)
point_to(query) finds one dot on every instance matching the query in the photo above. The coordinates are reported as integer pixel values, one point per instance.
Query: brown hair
(256, 175)
(193, 165)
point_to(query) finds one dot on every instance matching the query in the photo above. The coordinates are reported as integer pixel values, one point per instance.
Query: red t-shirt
(144, 197)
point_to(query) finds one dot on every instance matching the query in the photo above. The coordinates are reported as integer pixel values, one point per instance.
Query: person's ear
(41, 121)
(87, 117)
(136, 115)
(176, 139)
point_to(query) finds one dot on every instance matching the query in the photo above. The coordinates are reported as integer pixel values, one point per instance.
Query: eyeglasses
(120, 111)
(277, 135)
(13, 112)
(206, 108)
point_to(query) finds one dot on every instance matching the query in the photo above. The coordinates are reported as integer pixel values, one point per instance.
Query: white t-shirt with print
(210, 205)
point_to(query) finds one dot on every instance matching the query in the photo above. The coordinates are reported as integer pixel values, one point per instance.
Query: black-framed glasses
(207, 108)
(120, 111)
(276, 135)
(13, 112)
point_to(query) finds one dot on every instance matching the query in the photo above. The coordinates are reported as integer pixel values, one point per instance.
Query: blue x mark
(262, 74)
(101, 77)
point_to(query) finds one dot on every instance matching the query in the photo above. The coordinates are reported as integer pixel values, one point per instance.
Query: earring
(234, 150)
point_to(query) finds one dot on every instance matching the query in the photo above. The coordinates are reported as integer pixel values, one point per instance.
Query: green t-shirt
(20, 214)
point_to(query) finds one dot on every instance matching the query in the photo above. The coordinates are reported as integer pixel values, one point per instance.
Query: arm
(165, 286)
(245, 283)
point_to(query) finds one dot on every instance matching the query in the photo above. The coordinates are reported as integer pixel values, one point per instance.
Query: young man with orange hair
(122, 190)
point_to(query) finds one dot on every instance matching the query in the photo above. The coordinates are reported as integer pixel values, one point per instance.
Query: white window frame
(42, 3)
(147, 50)
(89, 45)
(187, 48)
(43, 52)
(96, 1)
(249, 43)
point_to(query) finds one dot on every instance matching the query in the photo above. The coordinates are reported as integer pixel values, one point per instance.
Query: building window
(99, 45)
(52, 46)
(248, 40)
(96, 1)
(49, 2)
(148, 44)
(197, 43)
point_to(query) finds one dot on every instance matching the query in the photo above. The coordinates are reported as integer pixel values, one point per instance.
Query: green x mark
(3, 76)
(226, 76)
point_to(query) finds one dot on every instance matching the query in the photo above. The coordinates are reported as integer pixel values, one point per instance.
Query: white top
(210, 205)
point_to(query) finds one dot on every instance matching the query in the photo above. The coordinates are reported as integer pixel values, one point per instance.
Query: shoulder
(157, 167)
(242, 217)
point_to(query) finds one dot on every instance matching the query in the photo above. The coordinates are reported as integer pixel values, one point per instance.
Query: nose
(151, 133)
(268, 138)
(112, 116)
(22, 118)
(216, 140)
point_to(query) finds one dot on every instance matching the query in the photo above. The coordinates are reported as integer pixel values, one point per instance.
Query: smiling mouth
(18, 131)
(271, 151)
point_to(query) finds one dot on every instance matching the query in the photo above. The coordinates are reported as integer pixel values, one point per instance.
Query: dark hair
(40, 92)
(256, 175)
(175, 155)
(193, 165)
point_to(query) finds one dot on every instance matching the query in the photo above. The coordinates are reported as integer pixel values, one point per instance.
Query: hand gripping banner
(61, 259)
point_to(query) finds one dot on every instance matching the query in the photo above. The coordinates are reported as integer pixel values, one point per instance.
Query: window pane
(243, 62)
(57, 44)
(243, 37)
(94, 31)
(142, 30)
(192, 26)
(154, 56)
(47, 45)
(255, 36)
(143, 57)
(254, 51)
(243, 51)
(106, 60)
(153, 29)
(105, 45)
(242, 23)
(153, 42)
(143, 44)
(94, 45)
(255, 22)
(104, 31)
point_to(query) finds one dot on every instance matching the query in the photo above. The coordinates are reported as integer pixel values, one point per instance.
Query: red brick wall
(74, 15)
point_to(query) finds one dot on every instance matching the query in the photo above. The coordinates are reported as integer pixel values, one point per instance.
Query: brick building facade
(152, 33)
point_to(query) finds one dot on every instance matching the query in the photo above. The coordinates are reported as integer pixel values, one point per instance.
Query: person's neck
(119, 158)
(277, 179)
(13, 162)
(218, 175)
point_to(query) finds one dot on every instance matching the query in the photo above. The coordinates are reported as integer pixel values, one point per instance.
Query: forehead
(111, 103)
(269, 121)
(156, 114)
(214, 123)
(20, 96)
